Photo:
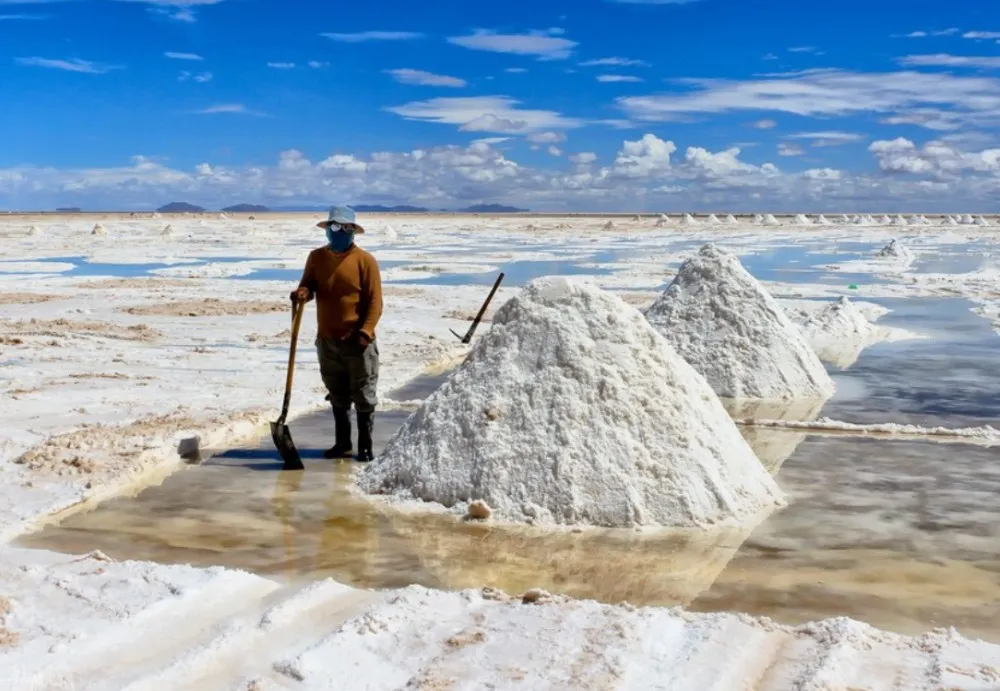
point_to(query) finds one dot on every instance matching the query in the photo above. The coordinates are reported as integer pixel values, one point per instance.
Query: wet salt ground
(903, 535)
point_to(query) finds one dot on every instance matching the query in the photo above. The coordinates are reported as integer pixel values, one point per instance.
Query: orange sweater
(348, 291)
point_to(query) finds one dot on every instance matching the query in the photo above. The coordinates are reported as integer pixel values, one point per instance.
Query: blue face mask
(339, 237)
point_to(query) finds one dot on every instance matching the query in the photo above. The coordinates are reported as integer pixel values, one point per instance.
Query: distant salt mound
(389, 232)
(949, 221)
(662, 221)
(895, 250)
(730, 329)
(898, 221)
(99, 230)
(610, 225)
(156, 214)
(689, 220)
(33, 231)
(570, 410)
(823, 221)
(167, 231)
(223, 217)
(802, 220)
(637, 219)
(758, 219)
(839, 332)
(967, 220)
(770, 220)
(714, 220)
(980, 221)
(731, 220)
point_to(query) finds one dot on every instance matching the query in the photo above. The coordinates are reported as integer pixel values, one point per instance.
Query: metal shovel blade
(282, 437)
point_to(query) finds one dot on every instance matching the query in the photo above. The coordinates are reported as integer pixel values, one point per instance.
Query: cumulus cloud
(826, 92)
(421, 78)
(645, 173)
(547, 44)
(786, 149)
(499, 114)
(982, 35)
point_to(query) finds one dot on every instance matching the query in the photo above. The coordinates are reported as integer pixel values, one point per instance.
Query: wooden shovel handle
(297, 309)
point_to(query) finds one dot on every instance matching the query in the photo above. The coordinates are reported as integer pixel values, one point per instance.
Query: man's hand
(300, 295)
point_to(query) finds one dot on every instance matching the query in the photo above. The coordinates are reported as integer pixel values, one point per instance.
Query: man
(347, 285)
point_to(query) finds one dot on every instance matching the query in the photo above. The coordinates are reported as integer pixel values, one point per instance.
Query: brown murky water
(903, 535)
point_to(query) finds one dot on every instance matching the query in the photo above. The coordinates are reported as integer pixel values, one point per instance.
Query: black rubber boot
(366, 425)
(342, 448)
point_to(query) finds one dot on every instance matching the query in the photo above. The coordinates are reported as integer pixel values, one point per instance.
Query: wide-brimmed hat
(343, 215)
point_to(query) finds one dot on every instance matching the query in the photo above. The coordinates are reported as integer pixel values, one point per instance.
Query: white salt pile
(758, 219)
(802, 220)
(33, 231)
(156, 214)
(770, 220)
(637, 219)
(968, 220)
(885, 220)
(899, 221)
(980, 221)
(895, 250)
(845, 219)
(714, 220)
(99, 230)
(730, 329)
(689, 220)
(731, 220)
(914, 221)
(610, 225)
(949, 221)
(390, 232)
(839, 332)
(167, 230)
(823, 220)
(223, 217)
(572, 409)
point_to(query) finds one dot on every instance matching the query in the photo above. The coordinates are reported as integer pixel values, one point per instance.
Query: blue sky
(582, 104)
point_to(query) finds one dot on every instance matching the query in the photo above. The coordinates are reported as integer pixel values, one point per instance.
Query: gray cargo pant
(350, 375)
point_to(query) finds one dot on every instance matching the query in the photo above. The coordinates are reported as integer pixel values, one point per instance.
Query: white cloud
(21, 17)
(803, 49)
(547, 137)
(515, 70)
(71, 65)
(653, 2)
(786, 149)
(945, 60)
(936, 159)
(644, 174)
(201, 77)
(765, 124)
(498, 114)
(182, 56)
(546, 44)
(363, 36)
(614, 62)
(421, 78)
(828, 138)
(177, 10)
(490, 141)
(770, 56)
(913, 34)
(227, 108)
(555, 151)
(317, 64)
(281, 65)
(826, 92)
(613, 78)
(982, 35)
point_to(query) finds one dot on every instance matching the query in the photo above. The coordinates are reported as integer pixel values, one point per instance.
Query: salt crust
(572, 409)
(730, 329)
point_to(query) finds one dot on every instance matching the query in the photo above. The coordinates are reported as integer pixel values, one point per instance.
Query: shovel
(279, 430)
(467, 338)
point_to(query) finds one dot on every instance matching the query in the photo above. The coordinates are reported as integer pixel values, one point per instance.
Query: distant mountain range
(186, 208)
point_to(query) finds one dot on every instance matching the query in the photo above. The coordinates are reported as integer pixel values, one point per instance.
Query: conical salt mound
(662, 221)
(167, 230)
(33, 231)
(758, 219)
(803, 220)
(610, 225)
(714, 220)
(823, 220)
(637, 219)
(389, 232)
(723, 322)
(950, 221)
(898, 221)
(156, 214)
(689, 220)
(980, 221)
(99, 230)
(845, 219)
(967, 220)
(731, 220)
(571, 409)
(770, 220)
(895, 250)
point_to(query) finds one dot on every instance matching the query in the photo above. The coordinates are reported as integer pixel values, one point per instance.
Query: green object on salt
(853, 286)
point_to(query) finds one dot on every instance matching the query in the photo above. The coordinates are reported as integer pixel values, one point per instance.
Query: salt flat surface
(109, 370)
